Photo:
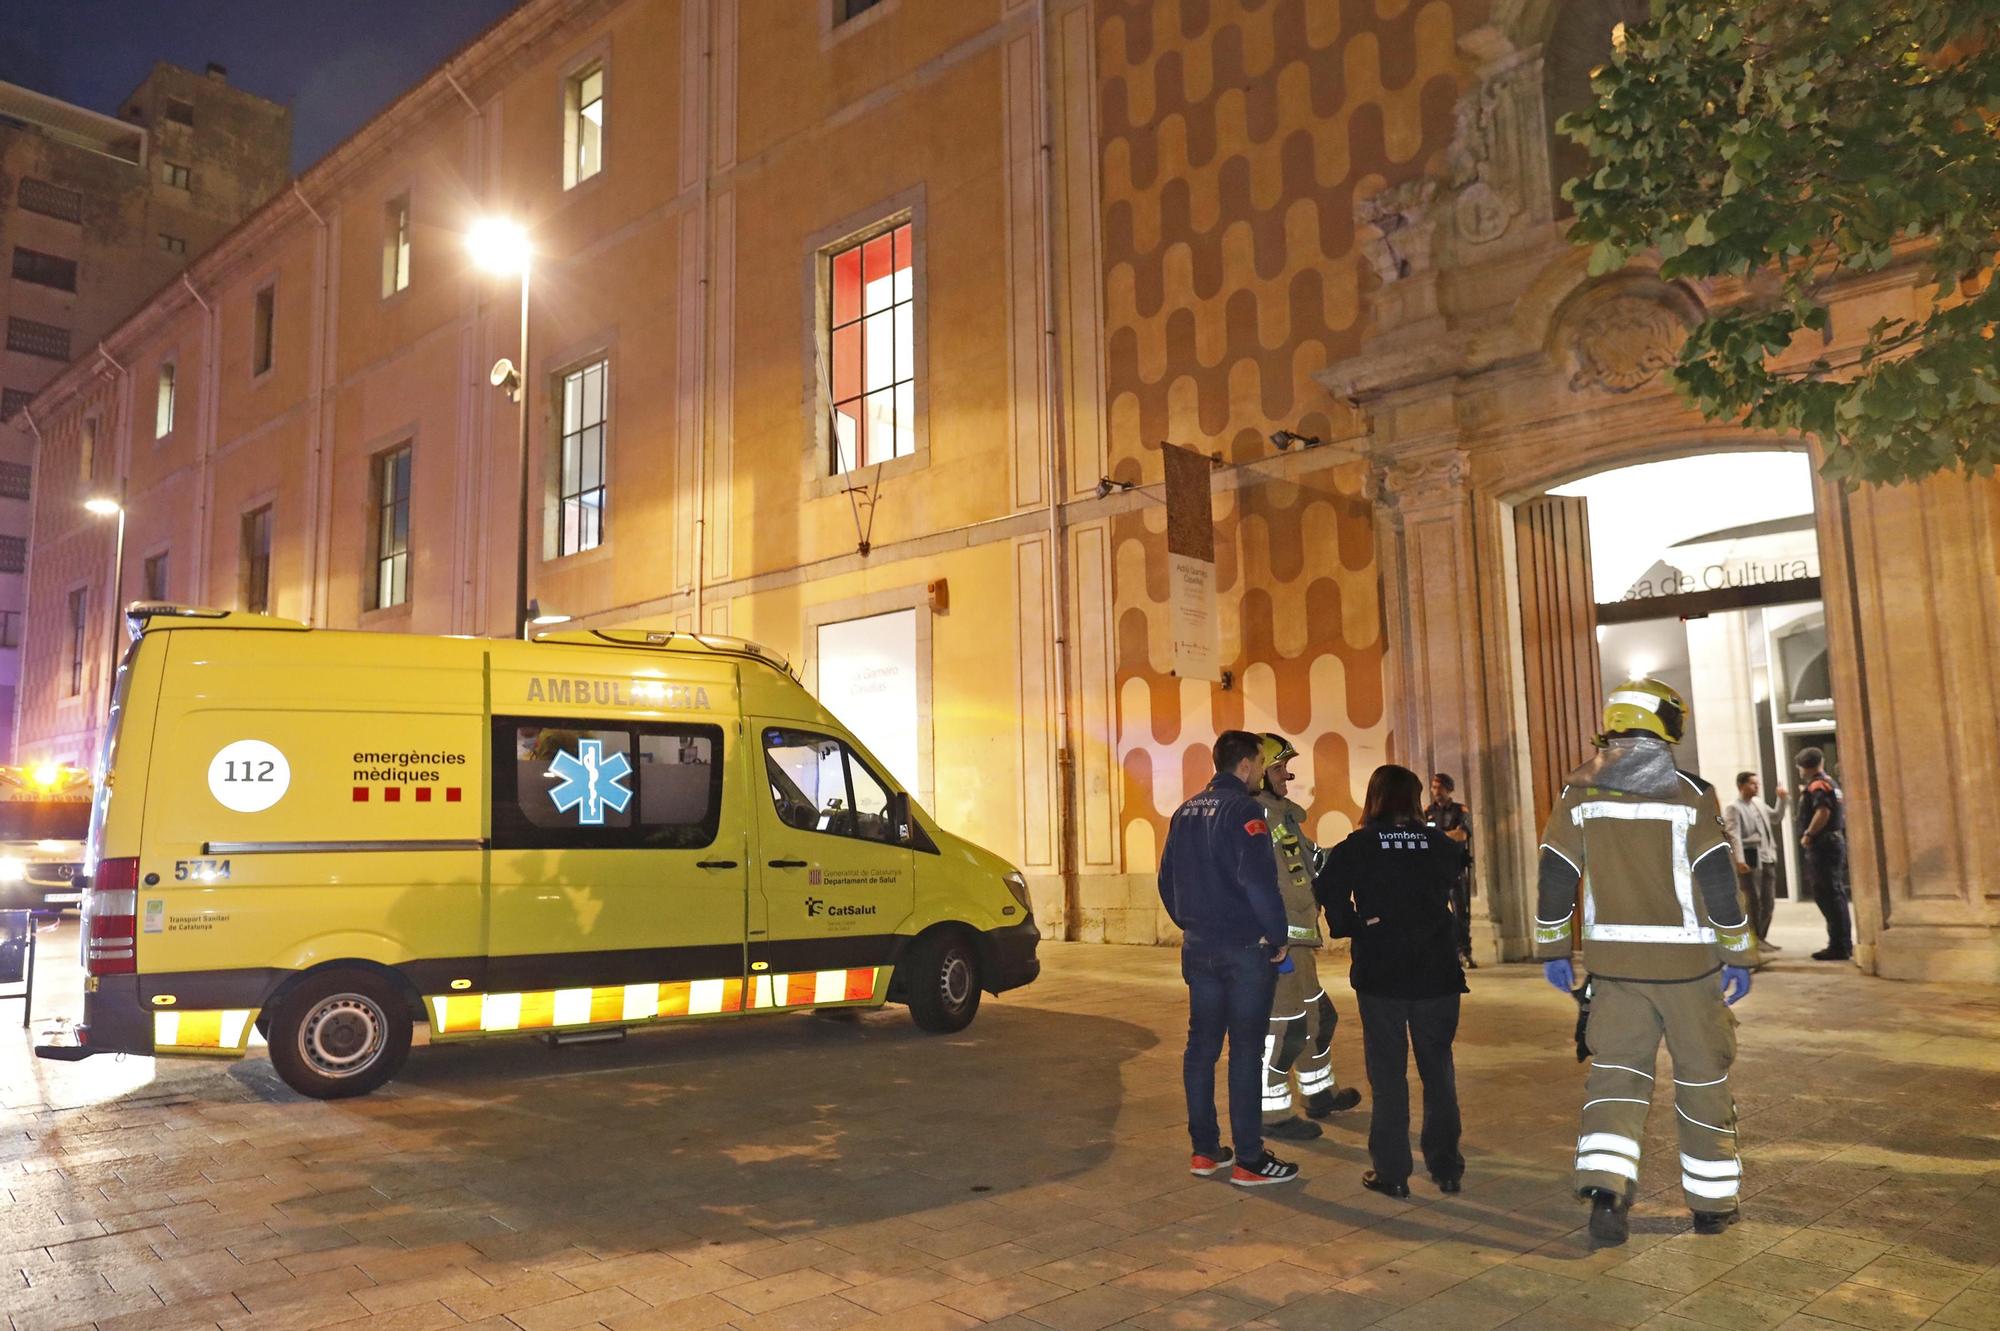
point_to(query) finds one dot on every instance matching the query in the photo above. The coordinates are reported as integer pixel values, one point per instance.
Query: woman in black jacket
(1388, 887)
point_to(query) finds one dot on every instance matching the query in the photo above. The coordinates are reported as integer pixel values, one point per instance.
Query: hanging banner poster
(1191, 565)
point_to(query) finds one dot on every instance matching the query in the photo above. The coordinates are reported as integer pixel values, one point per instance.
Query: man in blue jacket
(1219, 883)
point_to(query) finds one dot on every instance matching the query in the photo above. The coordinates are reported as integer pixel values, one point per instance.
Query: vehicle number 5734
(200, 871)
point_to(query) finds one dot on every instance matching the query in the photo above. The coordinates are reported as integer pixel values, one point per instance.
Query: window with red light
(872, 364)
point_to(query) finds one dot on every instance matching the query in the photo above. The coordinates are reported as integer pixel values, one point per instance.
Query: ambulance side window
(818, 784)
(579, 784)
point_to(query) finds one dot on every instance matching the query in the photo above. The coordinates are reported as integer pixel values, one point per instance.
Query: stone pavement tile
(918, 1317)
(778, 1258)
(1926, 1280)
(194, 1315)
(1453, 1310)
(1270, 1286)
(1517, 1288)
(997, 1298)
(1401, 1282)
(334, 1280)
(79, 1311)
(623, 1270)
(1973, 1308)
(576, 1310)
(295, 1244)
(1873, 1308)
(673, 1286)
(1360, 1251)
(420, 1289)
(1735, 1308)
(1830, 1249)
(415, 1317)
(388, 1265)
(1670, 1268)
(1978, 1251)
(696, 1314)
(1205, 1310)
(301, 1314)
(826, 1312)
(526, 1290)
(891, 1293)
(1615, 1302)
(949, 1243)
(1785, 1276)
(1002, 1259)
(1094, 1267)
(1335, 1310)
(762, 1296)
(1068, 1240)
(1093, 1308)
(860, 1268)
(1177, 1276)
(1463, 1256)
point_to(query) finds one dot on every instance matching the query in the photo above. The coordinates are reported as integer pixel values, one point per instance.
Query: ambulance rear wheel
(340, 1033)
(941, 977)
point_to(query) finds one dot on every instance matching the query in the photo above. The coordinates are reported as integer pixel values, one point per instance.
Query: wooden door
(1558, 640)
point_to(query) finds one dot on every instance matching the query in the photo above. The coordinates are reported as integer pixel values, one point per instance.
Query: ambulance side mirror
(899, 817)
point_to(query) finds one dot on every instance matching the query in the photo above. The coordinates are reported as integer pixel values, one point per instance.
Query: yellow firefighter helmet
(1275, 749)
(1646, 705)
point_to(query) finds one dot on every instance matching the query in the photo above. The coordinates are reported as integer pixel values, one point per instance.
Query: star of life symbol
(591, 782)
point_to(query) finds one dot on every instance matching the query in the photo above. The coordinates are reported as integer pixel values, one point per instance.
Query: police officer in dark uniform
(1219, 883)
(1824, 842)
(1453, 819)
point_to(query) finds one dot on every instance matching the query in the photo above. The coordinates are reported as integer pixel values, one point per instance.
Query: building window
(871, 340)
(176, 175)
(15, 478)
(163, 402)
(38, 339)
(583, 125)
(180, 112)
(390, 486)
(154, 587)
(650, 785)
(396, 245)
(820, 785)
(580, 488)
(10, 629)
(173, 244)
(260, 330)
(78, 617)
(39, 196)
(45, 270)
(13, 400)
(847, 9)
(253, 578)
(13, 554)
(86, 451)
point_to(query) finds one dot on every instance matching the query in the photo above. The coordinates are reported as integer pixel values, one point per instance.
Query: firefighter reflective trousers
(1300, 1039)
(1627, 1022)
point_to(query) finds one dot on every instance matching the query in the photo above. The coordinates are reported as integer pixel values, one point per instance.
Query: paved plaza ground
(803, 1174)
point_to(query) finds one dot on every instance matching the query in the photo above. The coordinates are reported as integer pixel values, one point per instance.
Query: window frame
(9, 542)
(177, 175)
(398, 245)
(380, 522)
(25, 472)
(160, 559)
(553, 544)
(852, 757)
(10, 630)
(263, 329)
(511, 830)
(817, 452)
(79, 637)
(43, 258)
(174, 104)
(247, 562)
(836, 24)
(172, 244)
(166, 397)
(596, 60)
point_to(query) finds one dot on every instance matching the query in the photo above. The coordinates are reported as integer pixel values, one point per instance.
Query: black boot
(1609, 1226)
(1713, 1222)
(1293, 1130)
(1323, 1103)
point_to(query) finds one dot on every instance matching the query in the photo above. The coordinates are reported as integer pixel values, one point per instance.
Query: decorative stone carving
(1622, 343)
(1397, 225)
(1499, 121)
(1415, 481)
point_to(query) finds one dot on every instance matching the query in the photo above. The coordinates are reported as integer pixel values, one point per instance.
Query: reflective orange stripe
(604, 1005)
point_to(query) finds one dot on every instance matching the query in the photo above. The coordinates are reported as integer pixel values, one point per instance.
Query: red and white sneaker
(1264, 1170)
(1207, 1166)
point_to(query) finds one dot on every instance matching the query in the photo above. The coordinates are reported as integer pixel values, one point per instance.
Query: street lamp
(500, 247)
(103, 506)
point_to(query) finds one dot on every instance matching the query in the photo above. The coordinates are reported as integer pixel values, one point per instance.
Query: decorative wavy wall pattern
(1236, 134)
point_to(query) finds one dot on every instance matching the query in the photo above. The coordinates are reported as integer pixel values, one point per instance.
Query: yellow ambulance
(326, 837)
(44, 812)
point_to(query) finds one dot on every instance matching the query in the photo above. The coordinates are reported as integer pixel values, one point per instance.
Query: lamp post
(104, 506)
(500, 247)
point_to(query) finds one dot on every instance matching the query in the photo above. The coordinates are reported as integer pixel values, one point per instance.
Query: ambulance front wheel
(340, 1033)
(941, 979)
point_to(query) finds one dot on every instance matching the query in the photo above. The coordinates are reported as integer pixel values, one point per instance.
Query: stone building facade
(1088, 227)
(97, 213)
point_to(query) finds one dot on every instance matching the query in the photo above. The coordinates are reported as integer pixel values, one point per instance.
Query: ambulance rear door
(835, 882)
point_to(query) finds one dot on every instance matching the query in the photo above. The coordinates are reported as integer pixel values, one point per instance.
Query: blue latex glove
(1563, 976)
(1735, 984)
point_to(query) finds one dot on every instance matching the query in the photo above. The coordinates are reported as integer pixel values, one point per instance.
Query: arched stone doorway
(1499, 368)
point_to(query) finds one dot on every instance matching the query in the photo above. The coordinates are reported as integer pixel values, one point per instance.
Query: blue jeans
(1229, 994)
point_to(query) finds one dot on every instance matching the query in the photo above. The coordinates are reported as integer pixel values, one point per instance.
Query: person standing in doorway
(1453, 819)
(1219, 884)
(1824, 862)
(1754, 848)
(1642, 843)
(1388, 887)
(1299, 1043)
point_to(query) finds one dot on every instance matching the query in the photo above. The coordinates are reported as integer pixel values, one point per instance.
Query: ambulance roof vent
(675, 641)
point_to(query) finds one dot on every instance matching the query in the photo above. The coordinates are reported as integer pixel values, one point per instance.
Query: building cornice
(488, 59)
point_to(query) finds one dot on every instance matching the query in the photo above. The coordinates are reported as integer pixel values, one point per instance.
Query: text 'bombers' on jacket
(1646, 844)
(1388, 887)
(1218, 877)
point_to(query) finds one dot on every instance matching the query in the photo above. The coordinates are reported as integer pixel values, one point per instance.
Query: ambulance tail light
(111, 918)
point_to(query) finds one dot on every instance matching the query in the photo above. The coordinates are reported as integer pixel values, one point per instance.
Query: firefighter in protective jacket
(1644, 842)
(1300, 1042)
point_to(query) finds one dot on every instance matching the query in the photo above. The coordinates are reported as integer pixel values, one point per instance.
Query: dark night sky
(335, 62)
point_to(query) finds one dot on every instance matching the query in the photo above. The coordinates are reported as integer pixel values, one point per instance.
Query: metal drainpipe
(1059, 598)
(207, 404)
(706, 157)
(323, 262)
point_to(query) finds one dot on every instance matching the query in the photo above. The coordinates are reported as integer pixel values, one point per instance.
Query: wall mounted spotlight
(1284, 439)
(1105, 485)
